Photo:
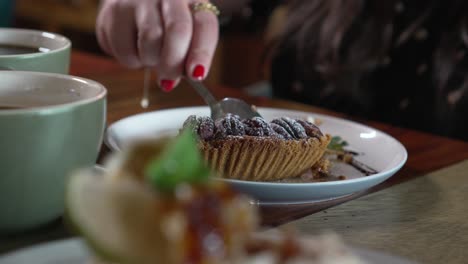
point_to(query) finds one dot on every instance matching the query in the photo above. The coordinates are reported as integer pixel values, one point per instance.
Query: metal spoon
(227, 105)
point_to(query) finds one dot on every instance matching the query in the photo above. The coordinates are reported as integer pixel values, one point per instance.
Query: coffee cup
(50, 125)
(34, 50)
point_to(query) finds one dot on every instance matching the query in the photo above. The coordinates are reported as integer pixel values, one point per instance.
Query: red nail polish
(199, 72)
(167, 85)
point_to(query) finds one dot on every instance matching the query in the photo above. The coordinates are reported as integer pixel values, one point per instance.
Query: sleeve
(253, 17)
(263, 8)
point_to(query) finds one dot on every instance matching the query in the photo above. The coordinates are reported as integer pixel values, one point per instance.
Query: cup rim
(56, 107)
(45, 34)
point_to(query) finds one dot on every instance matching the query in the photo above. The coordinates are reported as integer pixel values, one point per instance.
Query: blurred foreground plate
(74, 251)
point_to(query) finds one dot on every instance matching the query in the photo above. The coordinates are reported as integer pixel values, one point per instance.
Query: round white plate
(379, 151)
(74, 251)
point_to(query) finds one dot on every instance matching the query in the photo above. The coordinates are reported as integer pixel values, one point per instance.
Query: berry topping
(229, 126)
(258, 127)
(298, 130)
(310, 128)
(281, 132)
(293, 128)
(192, 123)
(207, 128)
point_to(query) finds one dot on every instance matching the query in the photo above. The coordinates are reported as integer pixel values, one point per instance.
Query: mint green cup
(55, 58)
(58, 130)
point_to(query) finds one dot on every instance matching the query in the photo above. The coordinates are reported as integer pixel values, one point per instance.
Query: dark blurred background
(238, 61)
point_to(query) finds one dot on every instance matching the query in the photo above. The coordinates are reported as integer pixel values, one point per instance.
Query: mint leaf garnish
(337, 143)
(180, 162)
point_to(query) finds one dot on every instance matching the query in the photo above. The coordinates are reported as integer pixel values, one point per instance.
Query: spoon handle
(216, 109)
(203, 92)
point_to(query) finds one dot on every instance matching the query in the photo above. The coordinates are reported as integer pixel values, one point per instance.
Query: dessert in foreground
(170, 211)
(257, 150)
(157, 203)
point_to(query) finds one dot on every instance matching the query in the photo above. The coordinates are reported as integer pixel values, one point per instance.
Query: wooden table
(427, 152)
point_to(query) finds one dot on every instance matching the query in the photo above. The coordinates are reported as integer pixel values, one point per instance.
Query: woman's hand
(163, 34)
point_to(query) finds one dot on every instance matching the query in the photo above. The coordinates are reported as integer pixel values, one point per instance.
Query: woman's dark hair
(341, 36)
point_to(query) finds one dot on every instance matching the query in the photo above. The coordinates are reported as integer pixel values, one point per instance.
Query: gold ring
(204, 6)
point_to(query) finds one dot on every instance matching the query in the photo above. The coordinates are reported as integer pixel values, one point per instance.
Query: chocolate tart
(257, 150)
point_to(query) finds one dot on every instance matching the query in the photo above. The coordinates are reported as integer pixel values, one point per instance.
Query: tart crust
(262, 158)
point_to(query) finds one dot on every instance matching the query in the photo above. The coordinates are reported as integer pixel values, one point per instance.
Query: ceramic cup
(53, 57)
(59, 128)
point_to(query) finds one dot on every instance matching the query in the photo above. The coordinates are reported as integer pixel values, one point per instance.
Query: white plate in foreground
(74, 251)
(379, 151)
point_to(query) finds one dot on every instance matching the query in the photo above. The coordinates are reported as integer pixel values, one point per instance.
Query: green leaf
(180, 162)
(337, 143)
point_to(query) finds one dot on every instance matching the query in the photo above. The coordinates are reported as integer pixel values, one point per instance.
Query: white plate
(74, 251)
(380, 151)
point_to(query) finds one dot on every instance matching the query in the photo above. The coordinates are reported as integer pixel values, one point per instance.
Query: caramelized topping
(206, 237)
(286, 248)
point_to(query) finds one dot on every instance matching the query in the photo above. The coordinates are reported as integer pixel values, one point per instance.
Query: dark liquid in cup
(17, 49)
(9, 107)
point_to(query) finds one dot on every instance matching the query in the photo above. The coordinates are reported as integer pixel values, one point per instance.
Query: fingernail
(198, 72)
(167, 85)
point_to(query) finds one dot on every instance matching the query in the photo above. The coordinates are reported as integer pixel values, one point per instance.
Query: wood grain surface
(425, 219)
